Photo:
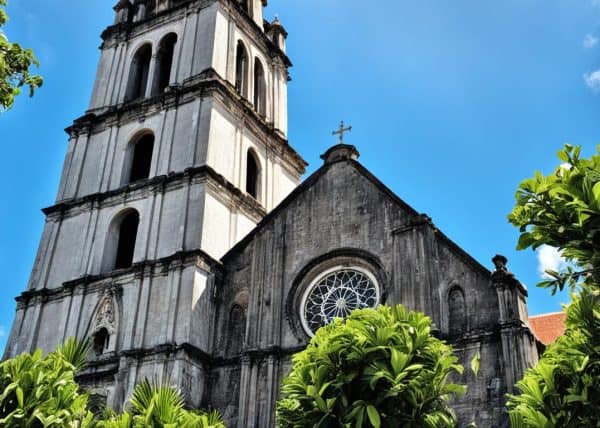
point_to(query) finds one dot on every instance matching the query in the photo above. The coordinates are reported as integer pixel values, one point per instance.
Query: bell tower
(182, 152)
(208, 80)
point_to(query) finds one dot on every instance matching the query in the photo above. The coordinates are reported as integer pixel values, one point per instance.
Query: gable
(350, 176)
(344, 216)
(324, 190)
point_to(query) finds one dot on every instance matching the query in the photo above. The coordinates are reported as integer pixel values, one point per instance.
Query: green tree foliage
(563, 210)
(377, 368)
(15, 62)
(159, 405)
(39, 391)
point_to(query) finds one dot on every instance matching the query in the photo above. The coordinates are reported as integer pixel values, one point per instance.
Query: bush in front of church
(377, 368)
(40, 391)
(155, 404)
(562, 210)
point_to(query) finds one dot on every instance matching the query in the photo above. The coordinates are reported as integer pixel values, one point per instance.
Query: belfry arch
(121, 241)
(139, 71)
(138, 158)
(164, 63)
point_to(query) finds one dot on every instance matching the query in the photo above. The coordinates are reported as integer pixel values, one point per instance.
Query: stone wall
(343, 216)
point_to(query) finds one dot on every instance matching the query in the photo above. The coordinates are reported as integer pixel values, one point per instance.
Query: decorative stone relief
(104, 325)
(105, 316)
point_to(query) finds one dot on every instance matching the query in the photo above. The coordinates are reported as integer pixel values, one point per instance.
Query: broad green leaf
(373, 416)
(475, 363)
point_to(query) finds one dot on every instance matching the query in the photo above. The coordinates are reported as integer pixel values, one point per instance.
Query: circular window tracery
(335, 294)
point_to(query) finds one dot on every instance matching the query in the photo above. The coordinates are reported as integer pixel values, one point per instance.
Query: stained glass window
(335, 294)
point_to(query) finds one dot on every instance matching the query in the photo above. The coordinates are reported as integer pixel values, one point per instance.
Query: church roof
(548, 327)
(351, 159)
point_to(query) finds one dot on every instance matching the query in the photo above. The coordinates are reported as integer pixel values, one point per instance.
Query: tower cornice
(160, 184)
(123, 31)
(99, 282)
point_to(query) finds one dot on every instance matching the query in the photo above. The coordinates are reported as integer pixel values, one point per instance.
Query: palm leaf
(75, 352)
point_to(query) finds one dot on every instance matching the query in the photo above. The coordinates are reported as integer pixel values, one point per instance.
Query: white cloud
(549, 258)
(592, 80)
(2, 331)
(590, 41)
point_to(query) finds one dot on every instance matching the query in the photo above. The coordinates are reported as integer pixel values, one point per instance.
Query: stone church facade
(185, 246)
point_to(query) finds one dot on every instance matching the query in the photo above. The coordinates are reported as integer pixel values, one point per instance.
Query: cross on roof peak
(341, 130)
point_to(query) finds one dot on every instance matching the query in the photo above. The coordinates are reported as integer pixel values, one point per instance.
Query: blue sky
(453, 103)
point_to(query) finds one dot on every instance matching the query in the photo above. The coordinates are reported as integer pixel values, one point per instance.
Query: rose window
(335, 294)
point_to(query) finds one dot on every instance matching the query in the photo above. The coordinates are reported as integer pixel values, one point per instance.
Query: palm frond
(75, 352)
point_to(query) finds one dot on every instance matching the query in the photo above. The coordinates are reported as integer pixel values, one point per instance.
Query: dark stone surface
(343, 215)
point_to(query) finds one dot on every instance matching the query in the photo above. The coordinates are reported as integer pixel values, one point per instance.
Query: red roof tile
(548, 327)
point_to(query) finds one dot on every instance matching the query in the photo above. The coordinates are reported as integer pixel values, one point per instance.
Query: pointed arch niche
(104, 326)
(236, 324)
(454, 311)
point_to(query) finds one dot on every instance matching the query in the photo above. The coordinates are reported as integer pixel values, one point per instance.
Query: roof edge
(464, 255)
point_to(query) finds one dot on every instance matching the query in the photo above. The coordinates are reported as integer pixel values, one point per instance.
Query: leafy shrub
(38, 391)
(377, 368)
(41, 391)
(563, 210)
(159, 405)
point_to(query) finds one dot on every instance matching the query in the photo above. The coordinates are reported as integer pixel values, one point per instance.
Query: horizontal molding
(108, 366)
(91, 283)
(160, 184)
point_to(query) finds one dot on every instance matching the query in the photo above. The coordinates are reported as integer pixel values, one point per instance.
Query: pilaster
(518, 342)
(415, 273)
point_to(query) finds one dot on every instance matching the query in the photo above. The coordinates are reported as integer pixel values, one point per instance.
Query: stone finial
(501, 274)
(277, 33)
(340, 152)
(500, 263)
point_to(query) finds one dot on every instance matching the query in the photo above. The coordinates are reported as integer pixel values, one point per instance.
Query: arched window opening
(260, 88)
(236, 330)
(252, 175)
(164, 63)
(457, 312)
(138, 73)
(142, 158)
(126, 240)
(241, 70)
(101, 341)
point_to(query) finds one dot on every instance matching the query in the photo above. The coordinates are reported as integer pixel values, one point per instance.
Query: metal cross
(341, 130)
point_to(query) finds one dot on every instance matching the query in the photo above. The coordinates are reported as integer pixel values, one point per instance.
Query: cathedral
(185, 245)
